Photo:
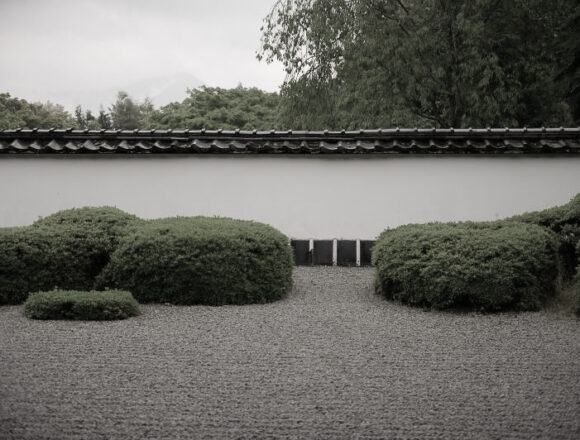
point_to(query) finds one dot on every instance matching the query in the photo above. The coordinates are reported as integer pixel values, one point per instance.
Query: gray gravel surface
(330, 361)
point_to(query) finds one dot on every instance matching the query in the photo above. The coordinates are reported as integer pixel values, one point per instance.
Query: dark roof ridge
(400, 133)
(393, 140)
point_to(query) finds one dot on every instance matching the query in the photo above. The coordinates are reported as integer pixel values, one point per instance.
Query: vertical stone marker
(322, 252)
(302, 255)
(346, 253)
(366, 247)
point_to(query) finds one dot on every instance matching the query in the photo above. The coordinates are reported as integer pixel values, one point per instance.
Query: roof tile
(400, 141)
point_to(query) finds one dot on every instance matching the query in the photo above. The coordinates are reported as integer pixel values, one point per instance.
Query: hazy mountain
(162, 90)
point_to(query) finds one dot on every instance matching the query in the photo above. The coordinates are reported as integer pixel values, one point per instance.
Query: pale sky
(68, 50)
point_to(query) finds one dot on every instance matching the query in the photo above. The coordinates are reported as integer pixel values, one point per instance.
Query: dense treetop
(205, 107)
(450, 63)
(378, 63)
(16, 113)
(214, 108)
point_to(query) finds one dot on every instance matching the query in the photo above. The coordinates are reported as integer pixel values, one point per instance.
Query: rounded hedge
(66, 250)
(25, 265)
(577, 283)
(483, 266)
(200, 260)
(111, 223)
(577, 300)
(564, 220)
(78, 305)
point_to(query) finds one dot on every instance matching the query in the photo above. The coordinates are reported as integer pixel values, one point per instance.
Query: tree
(454, 63)
(19, 113)
(104, 119)
(215, 108)
(569, 75)
(128, 114)
(80, 117)
(125, 113)
(147, 111)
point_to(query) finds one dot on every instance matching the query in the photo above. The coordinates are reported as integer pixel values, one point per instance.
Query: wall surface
(304, 197)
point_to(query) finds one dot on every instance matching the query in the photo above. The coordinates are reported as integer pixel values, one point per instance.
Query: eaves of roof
(381, 141)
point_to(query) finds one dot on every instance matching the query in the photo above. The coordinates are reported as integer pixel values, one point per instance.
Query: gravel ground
(331, 361)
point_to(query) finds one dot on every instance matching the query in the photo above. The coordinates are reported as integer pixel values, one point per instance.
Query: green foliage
(201, 260)
(18, 113)
(563, 220)
(569, 49)
(66, 250)
(25, 265)
(577, 305)
(373, 63)
(104, 120)
(86, 119)
(79, 305)
(45, 258)
(215, 108)
(127, 114)
(577, 283)
(205, 107)
(484, 266)
(109, 222)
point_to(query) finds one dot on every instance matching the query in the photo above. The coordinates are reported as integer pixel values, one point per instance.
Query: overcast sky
(60, 50)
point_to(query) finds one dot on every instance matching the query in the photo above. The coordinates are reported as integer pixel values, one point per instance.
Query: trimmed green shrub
(66, 250)
(200, 260)
(110, 222)
(563, 220)
(77, 305)
(45, 258)
(25, 265)
(484, 266)
(577, 283)
(577, 292)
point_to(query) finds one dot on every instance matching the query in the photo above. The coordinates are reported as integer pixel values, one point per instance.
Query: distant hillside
(162, 90)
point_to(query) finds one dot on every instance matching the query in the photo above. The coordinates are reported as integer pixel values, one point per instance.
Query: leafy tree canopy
(569, 76)
(128, 114)
(215, 108)
(377, 63)
(19, 113)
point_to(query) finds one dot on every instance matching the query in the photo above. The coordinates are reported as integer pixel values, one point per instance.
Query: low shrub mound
(577, 283)
(483, 266)
(79, 305)
(66, 250)
(111, 223)
(45, 258)
(577, 304)
(25, 264)
(200, 260)
(563, 220)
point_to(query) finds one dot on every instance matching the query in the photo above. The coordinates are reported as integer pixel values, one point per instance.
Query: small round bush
(482, 266)
(79, 305)
(200, 260)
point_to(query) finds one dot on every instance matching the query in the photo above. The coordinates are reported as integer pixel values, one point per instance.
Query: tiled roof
(385, 141)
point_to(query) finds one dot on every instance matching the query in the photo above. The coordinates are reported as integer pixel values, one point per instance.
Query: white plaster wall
(304, 197)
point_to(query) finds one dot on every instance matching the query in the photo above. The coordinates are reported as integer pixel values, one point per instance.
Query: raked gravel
(332, 360)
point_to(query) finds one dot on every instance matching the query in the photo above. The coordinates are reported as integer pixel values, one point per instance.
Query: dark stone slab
(366, 247)
(346, 252)
(302, 255)
(322, 252)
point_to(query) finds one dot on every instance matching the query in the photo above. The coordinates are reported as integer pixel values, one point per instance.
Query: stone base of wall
(332, 252)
